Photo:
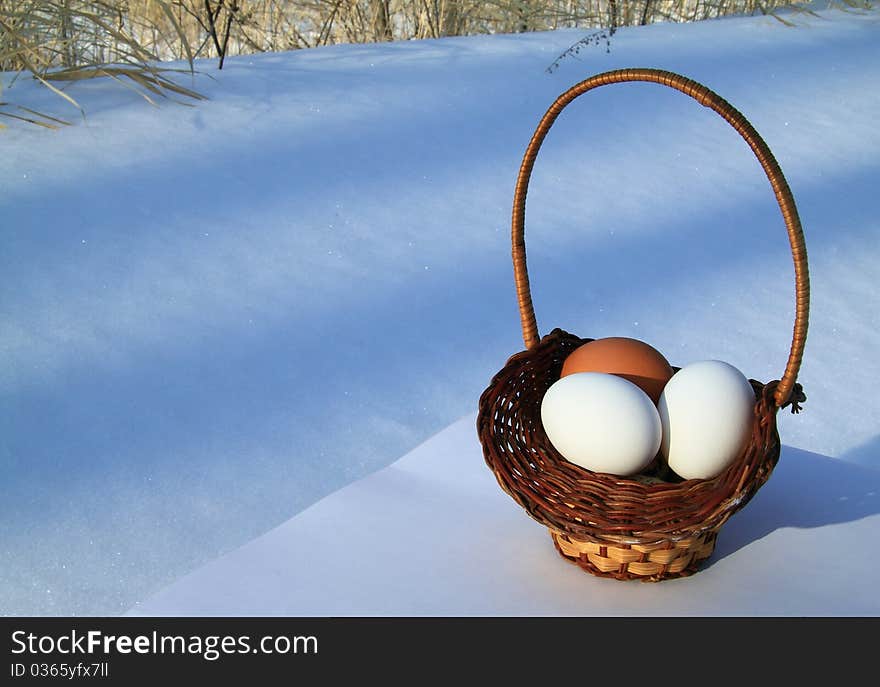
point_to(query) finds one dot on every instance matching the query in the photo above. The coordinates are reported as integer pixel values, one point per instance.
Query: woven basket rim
(597, 506)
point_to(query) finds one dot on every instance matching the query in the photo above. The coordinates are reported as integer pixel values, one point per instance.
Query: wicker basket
(627, 528)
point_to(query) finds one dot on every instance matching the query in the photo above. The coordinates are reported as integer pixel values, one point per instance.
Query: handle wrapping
(762, 152)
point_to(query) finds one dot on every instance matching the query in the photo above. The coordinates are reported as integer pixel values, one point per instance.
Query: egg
(601, 422)
(706, 411)
(634, 360)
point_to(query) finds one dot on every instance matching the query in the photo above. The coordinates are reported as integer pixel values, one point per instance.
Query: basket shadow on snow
(806, 490)
(867, 454)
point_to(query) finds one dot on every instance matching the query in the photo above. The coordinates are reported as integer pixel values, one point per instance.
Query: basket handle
(774, 173)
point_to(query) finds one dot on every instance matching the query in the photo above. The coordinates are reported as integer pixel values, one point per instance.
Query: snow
(433, 535)
(215, 316)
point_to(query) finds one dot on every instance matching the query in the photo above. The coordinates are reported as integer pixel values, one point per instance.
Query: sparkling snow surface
(211, 317)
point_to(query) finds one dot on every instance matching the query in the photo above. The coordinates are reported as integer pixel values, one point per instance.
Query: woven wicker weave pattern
(613, 526)
(762, 152)
(639, 561)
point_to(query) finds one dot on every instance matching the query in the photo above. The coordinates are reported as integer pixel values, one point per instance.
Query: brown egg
(631, 359)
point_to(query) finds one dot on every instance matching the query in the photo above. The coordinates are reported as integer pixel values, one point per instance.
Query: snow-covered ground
(433, 535)
(213, 316)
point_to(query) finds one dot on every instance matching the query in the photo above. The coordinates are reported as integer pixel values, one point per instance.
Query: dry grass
(58, 42)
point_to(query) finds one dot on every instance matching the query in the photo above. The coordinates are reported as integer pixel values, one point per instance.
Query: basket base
(646, 562)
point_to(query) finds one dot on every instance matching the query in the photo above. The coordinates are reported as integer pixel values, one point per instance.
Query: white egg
(601, 422)
(706, 410)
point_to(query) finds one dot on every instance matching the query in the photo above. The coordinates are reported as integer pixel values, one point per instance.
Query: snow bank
(214, 316)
